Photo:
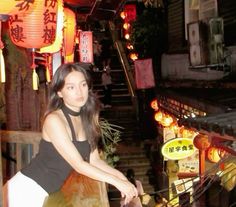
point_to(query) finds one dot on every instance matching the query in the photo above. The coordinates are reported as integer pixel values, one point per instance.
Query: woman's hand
(128, 190)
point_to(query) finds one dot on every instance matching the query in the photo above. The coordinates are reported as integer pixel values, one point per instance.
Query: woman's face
(75, 90)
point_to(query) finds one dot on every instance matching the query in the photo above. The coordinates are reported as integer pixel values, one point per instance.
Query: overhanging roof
(223, 124)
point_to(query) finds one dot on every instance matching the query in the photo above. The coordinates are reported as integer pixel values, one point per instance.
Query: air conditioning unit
(216, 40)
(198, 54)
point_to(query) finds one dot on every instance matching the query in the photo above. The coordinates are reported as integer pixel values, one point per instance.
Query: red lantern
(69, 32)
(167, 120)
(154, 105)
(9, 7)
(15, 6)
(129, 46)
(37, 28)
(215, 154)
(57, 44)
(201, 141)
(126, 25)
(133, 56)
(123, 15)
(158, 116)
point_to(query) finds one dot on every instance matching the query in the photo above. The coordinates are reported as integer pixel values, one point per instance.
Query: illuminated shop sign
(178, 148)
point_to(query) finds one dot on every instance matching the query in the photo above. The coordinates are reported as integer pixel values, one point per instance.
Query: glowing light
(133, 56)
(127, 36)
(154, 105)
(158, 116)
(126, 26)
(123, 15)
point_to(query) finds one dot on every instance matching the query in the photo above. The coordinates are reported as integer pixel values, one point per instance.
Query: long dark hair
(89, 112)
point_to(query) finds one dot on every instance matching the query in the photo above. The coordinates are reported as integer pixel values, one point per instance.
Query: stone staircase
(131, 156)
(130, 150)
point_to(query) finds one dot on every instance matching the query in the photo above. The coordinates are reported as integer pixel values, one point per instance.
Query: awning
(223, 124)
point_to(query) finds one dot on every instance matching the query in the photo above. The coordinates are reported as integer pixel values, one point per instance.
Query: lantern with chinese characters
(57, 44)
(10, 7)
(201, 141)
(35, 29)
(69, 33)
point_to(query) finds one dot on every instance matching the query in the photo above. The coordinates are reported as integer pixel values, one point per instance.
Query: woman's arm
(96, 161)
(54, 130)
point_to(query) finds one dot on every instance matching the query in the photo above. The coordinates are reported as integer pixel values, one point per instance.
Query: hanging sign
(144, 76)
(130, 12)
(86, 47)
(178, 148)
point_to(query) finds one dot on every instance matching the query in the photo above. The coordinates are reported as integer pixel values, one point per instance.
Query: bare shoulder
(54, 118)
(53, 124)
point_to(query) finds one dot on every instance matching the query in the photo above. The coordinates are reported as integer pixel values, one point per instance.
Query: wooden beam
(23, 137)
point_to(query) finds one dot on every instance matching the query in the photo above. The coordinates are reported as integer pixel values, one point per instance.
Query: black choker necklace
(70, 111)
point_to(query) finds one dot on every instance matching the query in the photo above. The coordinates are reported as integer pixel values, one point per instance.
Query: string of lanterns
(7, 8)
(43, 27)
(129, 15)
(201, 141)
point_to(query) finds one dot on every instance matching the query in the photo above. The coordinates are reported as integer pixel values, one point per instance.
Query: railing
(19, 139)
(87, 189)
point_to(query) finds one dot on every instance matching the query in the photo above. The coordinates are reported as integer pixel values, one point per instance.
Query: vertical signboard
(86, 47)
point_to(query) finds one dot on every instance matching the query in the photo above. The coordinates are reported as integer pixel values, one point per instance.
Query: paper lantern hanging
(201, 141)
(154, 105)
(215, 154)
(158, 116)
(167, 120)
(10, 7)
(35, 29)
(69, 32)
(57, 44)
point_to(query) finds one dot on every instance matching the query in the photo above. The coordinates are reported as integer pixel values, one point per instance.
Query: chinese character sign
(144, 74)
(86, 47)
(35, 29)
(178, 148)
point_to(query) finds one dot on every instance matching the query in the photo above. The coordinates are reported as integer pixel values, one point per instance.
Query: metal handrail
(124, 60)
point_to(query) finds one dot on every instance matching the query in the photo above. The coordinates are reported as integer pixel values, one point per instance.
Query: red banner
(144, 74)
(130, 11)
(86, 47)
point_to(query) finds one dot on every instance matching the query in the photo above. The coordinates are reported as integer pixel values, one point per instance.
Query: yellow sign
(178, 148)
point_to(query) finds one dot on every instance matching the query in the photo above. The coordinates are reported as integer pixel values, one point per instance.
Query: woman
(70, 134)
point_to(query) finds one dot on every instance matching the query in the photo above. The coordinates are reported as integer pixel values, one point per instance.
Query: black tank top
(48, 168)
